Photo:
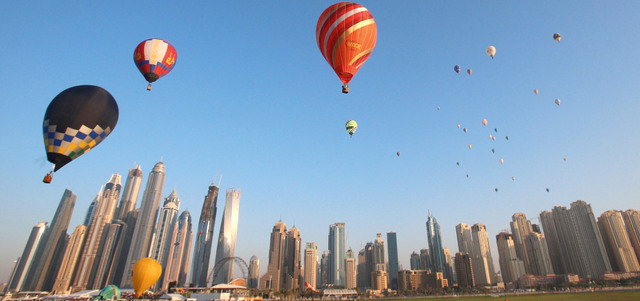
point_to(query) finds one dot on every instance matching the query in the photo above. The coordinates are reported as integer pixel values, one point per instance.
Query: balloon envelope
(484, 122)
(398, 154)
(456, 68)
(154, 58)
(77, 120)
(491, 51)
(469, 71)
(351, 126)
(557, 37)
(557, 101)
(346, 35)
(146, 271)
(109, 292)
(535, 91)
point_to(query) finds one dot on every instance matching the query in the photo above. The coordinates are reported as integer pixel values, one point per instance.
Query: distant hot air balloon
(547, 189)
(490, 136)
(76, 120)
(108, 292)
(557, 101)
(467, 175)
(513, 178)
(493, 138)
(557, 37)
(398, 154)
(484, 122)
(465, 130)
(438, 108)
(346, 35)
(469, 146)
(496, 189)
(456, 68)
(506, 137)
(535, 91)
(154, 58)
(495, 130)
(458, 125)
(493, 150)
(564, 159)
(458, 163)
(469, 71)
(501, 160)
(351, 127)
(146, 271)
(491, 51)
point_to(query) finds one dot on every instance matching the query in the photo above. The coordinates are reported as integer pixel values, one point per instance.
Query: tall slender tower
(511, 266)
(557, 249)
(616, 240)
(292, 261)
(227, 237)
(435, 244)
(464, 270)
(103, 215)
(482, 261)
(163, 234)
(130, 193)
(310, 263)
(27, 259)
(465, 241)
(538, 253)
(414, 261)
(69, 261)
(632, 222)
(520, 229)
(337, 241)
(141, 239)
(52, 249)
(204, 238)
(271, 279)
(254, 272)
(350, 270)
(392, 250)
(178, 247)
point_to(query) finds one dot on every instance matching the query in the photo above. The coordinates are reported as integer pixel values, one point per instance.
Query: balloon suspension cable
(345, 89)
(149, 87)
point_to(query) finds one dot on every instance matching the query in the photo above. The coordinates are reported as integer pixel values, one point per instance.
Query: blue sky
(252, 98)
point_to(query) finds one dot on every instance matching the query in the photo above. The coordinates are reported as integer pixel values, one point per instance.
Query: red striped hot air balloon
(346, 35)
(154, 58)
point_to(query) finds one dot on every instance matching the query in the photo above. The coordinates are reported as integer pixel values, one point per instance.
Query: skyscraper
(337, 240)
(204, 238)
(538, 253)
(511, 266)
(254, 272)
(632, 222)
(130, 193)
(414, 261)
(227, 237)
(52, 247)
(69, 261)
(392, 248)
(520, 229)
(271, 279)
(481, 259)
(163, 233)
(105, 258)
(179, 248)
(350, 270)
(578, 238)
(310, 263)
(464, 270)
(27, 259)
(324, 268)
(141, 239)
(292, 262)
(449, 269)
(616, 240)
(106, 206)
(435, 244)
(379, 260)
(361, 275)
(557, 250)
(465, 241)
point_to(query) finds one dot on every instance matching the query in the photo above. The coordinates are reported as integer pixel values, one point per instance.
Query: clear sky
(252, 98)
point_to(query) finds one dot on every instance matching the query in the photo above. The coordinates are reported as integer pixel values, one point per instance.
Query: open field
(587, 296)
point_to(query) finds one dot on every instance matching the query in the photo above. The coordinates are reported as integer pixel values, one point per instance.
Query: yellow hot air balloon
(469, 146)
(535, 91)
(491, 51)
(146, 272)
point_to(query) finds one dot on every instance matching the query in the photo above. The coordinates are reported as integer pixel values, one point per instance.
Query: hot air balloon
(490, 136)
(513, 178)
(467, 175)
(557, 101)
(506, 137)
(458, 163)
(77, 120)
(438, 108)
(351, 127)
(493, 150)
(469, 146)
(469, 71)
(495, 130)
(146, 271)
(458, 125)
(484, 122)
(535, 91)
(547, 189)
(346, 35)
(491, 51)
(493, 138)
(496, 189)
(108, 292)
(398, 154)
(154, 58)
(564, 159)
(465, 130)
(557, 37)
(501, 160)
(456, 68)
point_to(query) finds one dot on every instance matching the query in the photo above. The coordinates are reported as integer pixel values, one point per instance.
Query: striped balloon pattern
(346, 35)
(155, 58)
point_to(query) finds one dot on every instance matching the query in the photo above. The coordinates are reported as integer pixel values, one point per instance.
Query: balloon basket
(47, 179)
(149, 87)
(345, 89)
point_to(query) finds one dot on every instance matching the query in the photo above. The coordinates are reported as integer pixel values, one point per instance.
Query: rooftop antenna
(219, 180)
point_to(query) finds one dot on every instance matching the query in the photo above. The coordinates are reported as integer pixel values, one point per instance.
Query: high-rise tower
(632, 222)
(130, 193)
(179, 248)
(227, 237)
(482, 261)
(69, 261)
(292, 261)
(392, 251)
(27, 260)
(520, 228)
(511, 266)
(310, 263)
(616, 240)
(350, 270)
(254, 272)
(141, 239)
(103, 215)
(204, 238)
(163, 233)
(337, 240)
(271, 279)
(435, 244)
